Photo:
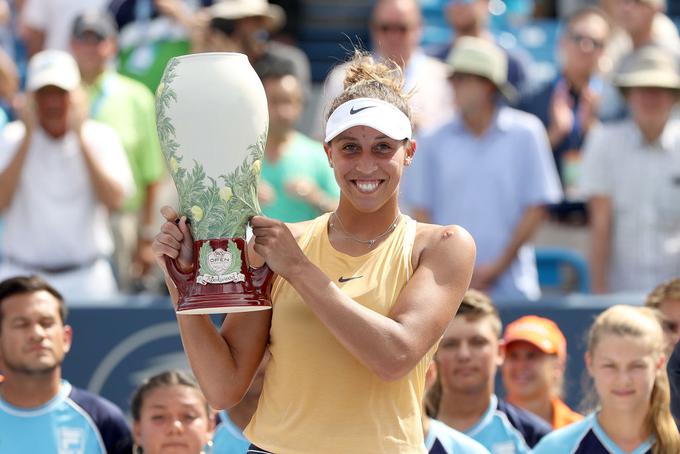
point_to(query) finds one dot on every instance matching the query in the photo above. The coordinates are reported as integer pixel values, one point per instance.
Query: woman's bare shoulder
(450, 241)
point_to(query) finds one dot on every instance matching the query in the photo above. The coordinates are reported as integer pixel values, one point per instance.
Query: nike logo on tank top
(317, 396)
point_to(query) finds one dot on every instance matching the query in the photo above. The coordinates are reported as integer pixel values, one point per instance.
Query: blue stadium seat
(562, 271)
(326, 48)
(330, 30)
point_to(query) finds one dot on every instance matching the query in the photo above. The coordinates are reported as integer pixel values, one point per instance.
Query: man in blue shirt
(440, 438)
(40, 412)
(568, 105)
(467, 359)
(489, 170)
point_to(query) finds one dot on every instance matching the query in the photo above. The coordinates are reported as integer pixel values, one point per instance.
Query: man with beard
(40, 412)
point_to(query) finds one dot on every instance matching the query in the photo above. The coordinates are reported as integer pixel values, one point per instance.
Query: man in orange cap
(533, 370)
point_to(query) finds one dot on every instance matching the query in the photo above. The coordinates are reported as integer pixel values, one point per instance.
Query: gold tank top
(317, 397)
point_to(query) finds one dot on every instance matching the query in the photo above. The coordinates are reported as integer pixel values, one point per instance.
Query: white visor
(374, 113)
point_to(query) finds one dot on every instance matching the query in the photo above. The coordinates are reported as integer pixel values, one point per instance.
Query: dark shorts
(255, 450)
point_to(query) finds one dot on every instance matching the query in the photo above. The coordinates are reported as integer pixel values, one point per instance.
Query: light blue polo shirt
(506, 429)
(485, 184)
(442, 439)
(585, 437)
(59, 426)
(228, 438)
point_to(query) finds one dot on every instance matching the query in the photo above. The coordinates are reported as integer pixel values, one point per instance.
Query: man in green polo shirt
(128, 107)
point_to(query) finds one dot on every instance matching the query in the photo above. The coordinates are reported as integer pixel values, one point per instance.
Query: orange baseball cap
(538, 331)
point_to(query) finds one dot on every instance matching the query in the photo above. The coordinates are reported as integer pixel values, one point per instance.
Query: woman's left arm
(388, 345)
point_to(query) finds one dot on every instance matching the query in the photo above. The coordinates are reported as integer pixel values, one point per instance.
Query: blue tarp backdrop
(114, 349)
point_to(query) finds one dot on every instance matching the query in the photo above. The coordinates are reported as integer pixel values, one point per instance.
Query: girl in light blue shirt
(625, 358)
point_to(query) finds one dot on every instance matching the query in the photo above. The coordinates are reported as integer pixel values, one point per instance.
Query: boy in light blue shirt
(462, 397)
(440, 438)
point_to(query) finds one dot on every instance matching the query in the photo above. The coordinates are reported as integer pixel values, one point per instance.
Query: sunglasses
(586, 43)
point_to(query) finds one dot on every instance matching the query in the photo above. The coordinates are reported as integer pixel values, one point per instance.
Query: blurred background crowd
(547, 128)
(547, 220)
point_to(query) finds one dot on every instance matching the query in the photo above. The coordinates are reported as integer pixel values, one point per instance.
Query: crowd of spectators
(557, 181)
(593, 153)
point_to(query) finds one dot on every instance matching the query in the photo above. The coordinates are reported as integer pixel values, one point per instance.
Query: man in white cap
(60, 175)
(631, 177)
(490, 170)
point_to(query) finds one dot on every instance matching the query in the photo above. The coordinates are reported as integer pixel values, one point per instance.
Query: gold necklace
(370, 242)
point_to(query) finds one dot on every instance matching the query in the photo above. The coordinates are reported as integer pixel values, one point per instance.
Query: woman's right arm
(224, 361)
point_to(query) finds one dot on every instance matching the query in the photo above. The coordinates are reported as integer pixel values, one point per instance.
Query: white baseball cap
(371, 112)
(52, 67)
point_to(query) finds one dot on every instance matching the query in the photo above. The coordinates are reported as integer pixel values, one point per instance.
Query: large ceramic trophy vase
(212, 119)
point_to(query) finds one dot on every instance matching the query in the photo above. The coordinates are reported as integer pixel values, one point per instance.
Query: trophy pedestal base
(221, 304)
(231, 289)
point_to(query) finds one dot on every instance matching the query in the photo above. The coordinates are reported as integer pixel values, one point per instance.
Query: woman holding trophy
(361, 298)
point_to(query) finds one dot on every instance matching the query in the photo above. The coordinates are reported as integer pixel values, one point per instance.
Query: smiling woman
(361, 298)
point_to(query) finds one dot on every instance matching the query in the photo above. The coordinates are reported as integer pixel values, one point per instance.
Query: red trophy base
(204, 290)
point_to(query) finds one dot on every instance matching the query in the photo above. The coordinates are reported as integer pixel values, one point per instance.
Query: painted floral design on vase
(211, 117)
